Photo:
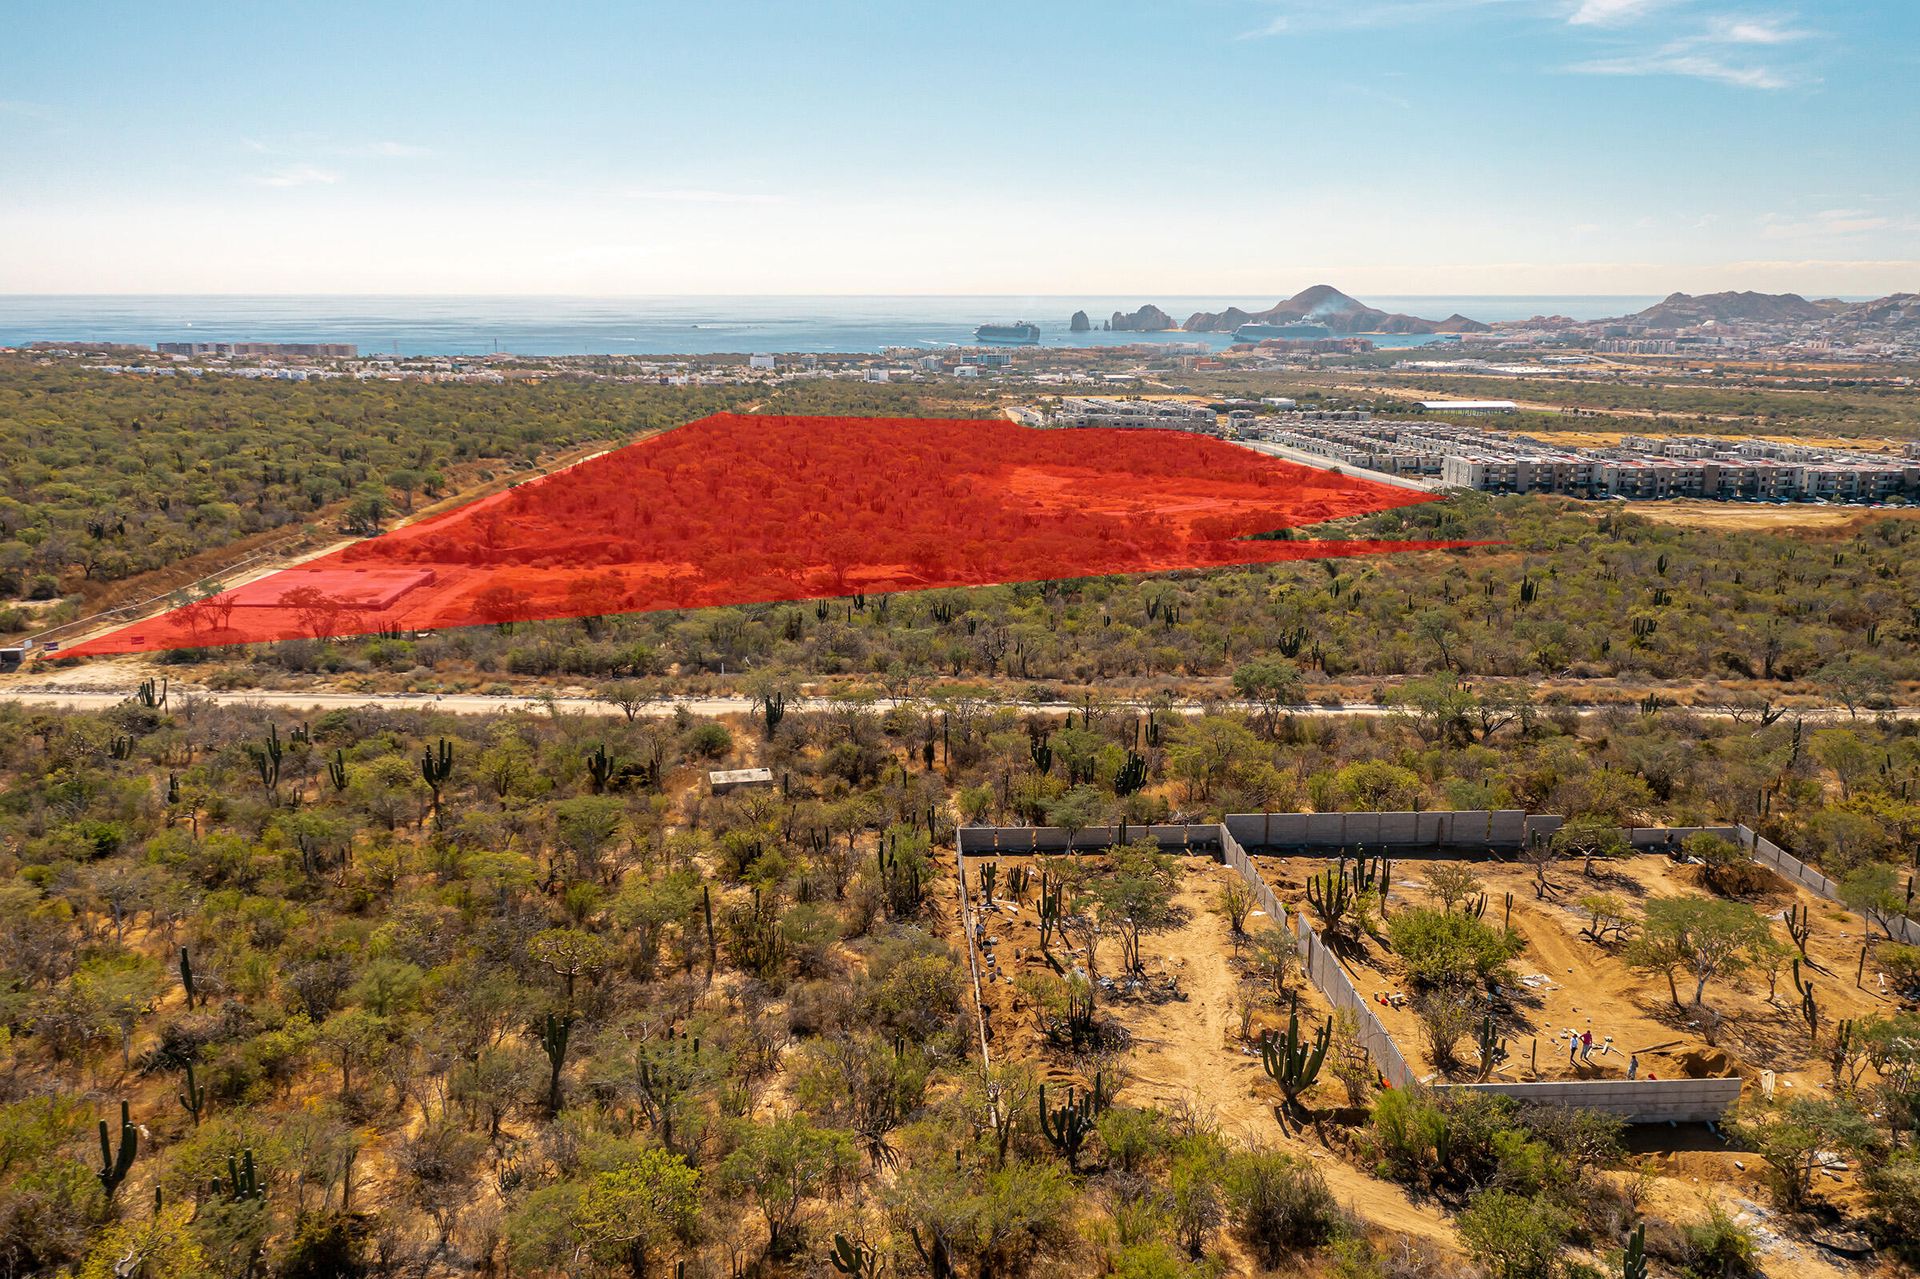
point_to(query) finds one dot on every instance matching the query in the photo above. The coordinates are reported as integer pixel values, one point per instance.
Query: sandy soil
(1185, 1050)
(1738, 516)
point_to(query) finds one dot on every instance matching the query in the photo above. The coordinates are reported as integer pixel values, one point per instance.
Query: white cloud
(1764, 31)
(1610, 13)
(297, 175)
(1698, 66)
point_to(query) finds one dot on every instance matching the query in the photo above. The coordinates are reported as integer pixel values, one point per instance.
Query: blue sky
(1239, 147)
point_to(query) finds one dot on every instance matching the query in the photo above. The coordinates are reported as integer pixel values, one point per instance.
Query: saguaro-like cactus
(193, 1099)
(1331, 894)
(599, 767)
(337, 770)
(1633, 1262)
(186, 979)
(1492, 1047)
(436, 767)
(1293, 1061)
(1067, 1126)
(266, 758)
(1800, 926)
(114, 1165)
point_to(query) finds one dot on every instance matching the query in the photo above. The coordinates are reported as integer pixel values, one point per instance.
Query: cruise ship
(1260, 331)
(1023, 333)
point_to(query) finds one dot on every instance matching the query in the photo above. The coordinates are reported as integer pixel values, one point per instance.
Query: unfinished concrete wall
(975, 841)
(1638, 1101)
(1771, 855)
(1330, 979)
(1505, 829)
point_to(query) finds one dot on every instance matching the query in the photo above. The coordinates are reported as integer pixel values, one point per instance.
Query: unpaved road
(97, 695)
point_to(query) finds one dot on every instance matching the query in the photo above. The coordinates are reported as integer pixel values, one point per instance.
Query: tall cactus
(436, 768)
(1131, 776)
(1052, 908)
(194, 1098)
(186, 980)
(1067, 1126)
(1633, 1262)
(599, 767)
(243, 1181)
(337, 770)
(114, 1165)
(1331, 894)
(266, 758)
(1799, 921)
(1492, 1048)
(1293, 1061)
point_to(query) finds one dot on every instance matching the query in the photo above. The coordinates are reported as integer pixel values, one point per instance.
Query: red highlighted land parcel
(737, 509)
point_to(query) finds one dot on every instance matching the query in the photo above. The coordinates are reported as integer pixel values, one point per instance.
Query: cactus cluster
(242, 1183)
(900, 882)
(1131, 776)
(1336, 893)
(1293, 1061)
(1068, 1125)
(1053, 908)
(1492, 1048)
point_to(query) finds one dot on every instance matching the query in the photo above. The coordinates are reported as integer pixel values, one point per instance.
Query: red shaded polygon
(737, 509)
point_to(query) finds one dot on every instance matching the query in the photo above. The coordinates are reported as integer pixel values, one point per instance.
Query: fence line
(973, 962)
(1236, 857)
(1331, 980)
(1770, 854)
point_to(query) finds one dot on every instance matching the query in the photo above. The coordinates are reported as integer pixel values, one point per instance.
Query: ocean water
(449, 325)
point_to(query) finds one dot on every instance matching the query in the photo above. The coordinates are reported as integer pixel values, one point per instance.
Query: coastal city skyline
(1228, 147)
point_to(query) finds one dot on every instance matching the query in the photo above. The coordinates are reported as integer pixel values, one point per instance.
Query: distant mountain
(1684, 311)
(1148, 319)
(1899, 312)
(1324, 304)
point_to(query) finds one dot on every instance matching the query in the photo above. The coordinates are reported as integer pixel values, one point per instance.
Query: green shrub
(1515, 1236)
(1279, 1205)
(1440, 948)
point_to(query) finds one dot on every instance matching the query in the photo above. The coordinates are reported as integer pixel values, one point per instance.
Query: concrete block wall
(1770, 854)
(975, 841)
(1505, 829)
(1639, 1101)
